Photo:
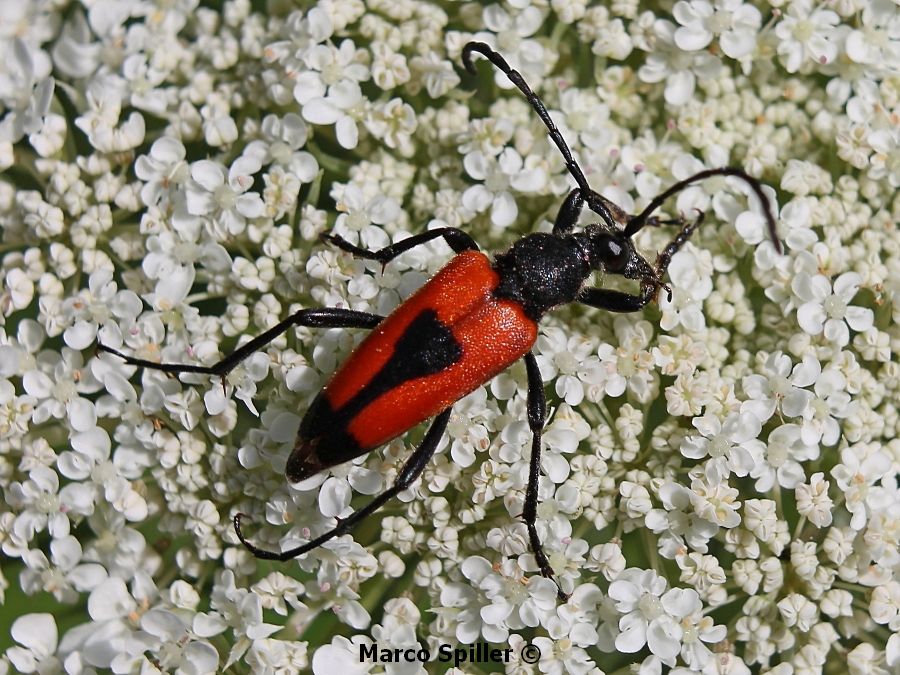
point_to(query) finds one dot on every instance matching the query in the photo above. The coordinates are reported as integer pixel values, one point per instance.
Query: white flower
(224, 196)
(798, 611)
(269, 655)
(866, 658)
(831, 403)
(733, 442)
(342, 656)
(26, 91)
(632, 364)
(735, 22)
(697, 628)
(691, 274)
(611, 382)
(678, 68)
(828, 311)
(18, 291)
(780, 461)
(38, 505)
(305, 29)
(460, 606)
(780, 386)
(566, 360)
(393, 123)
(677, 524)
(876, 42)
(656, 617)
(241, 380)
(885, 161)
(806, 33)
(144, 76)
(436, 74)
(163, 170)
(562, 656)
(813, 502)
(358, 212)
(329, 91)
(282, 138)
(510, 33)
(576, 620)
(584, 120)
(37, 634)
(90, 458)
(102, 306)
(712, 498)
(233, 607)
(511, 603)
(499, 175)
(389, 68)
(101, 122)
(15, 411)
(753, 228)
(860, 468)
(884, 605)
(797, 216)
(165, 634)
(66, 576)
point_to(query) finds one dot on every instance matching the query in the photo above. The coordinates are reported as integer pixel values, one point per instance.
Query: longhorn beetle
(474, 318)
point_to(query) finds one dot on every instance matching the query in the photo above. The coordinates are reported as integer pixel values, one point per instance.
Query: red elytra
(492, 333)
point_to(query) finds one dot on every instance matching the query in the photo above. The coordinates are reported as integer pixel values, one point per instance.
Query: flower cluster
(718, 486)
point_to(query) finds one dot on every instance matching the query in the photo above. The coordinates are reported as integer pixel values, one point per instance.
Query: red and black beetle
(473, 319)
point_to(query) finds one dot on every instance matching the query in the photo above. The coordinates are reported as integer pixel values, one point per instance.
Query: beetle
(472, 320)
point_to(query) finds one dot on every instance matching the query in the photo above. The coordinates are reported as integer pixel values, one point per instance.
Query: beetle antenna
(665, 256)
(516, 78)
(595, 200)
(635, 223)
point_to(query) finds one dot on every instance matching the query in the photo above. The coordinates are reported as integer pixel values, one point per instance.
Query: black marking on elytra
(426, 347)
(322, 442)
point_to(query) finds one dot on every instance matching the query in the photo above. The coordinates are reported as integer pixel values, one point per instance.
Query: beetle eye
(613, 253)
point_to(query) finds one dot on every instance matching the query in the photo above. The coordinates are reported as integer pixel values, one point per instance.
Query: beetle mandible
(472, 320)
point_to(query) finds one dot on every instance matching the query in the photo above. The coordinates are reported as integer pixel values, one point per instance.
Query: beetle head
(609, 250)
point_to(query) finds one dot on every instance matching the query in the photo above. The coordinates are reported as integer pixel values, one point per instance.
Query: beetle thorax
(542, 271)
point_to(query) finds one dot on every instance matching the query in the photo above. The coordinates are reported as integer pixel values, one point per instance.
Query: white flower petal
(334, 497)
(504, 210)
(811, 318)
(347, 132)
(321, 111)
(634, 634)
(860, 318)
(37, 632)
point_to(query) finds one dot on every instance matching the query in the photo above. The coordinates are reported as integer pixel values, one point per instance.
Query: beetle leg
(569, 212)
(617, 301)
(411, 470)
(655, 221)
(687, 229)
(537, 414)
(458, 240)
(322, 317)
